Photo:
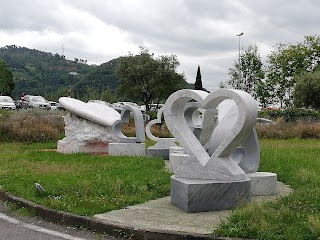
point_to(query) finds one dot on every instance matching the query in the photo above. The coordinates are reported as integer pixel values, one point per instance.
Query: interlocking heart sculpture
(217, 164)
(138, 121)
(160, 142)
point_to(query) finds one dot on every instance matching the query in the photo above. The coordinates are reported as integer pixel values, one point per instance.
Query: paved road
(14, 227)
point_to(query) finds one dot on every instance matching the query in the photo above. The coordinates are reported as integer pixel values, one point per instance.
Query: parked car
(100, 102)
(35, 102)
(55, 105)
(153, 107)
(142, 108)
(7, 102)
(156, 107)
(119, 106)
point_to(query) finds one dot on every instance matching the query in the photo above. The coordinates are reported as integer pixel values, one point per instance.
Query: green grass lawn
(80, 183)
(297, 216)
(85, 184)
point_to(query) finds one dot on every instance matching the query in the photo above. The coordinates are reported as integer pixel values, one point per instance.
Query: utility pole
(62, 50)
(239, 35)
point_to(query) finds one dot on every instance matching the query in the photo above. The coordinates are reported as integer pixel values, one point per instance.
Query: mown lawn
(85, 184)
(80, 183)
(297, 216)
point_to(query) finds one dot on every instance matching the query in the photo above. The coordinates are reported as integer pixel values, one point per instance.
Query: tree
(249, 73)
(6, 79)
(289, 61)
(265, 93)
(307, 90)
(198, 83)
(108, 96)
(148, 78)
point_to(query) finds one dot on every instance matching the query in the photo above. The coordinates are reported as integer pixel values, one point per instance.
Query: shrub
(152, 114)
(291, 115)
(285, 130)
(32, 125)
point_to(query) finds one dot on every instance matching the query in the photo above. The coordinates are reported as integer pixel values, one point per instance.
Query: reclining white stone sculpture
(88, 127)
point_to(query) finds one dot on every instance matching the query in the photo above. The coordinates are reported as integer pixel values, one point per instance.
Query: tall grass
(296, 216)
(31, 125)
(286, 130)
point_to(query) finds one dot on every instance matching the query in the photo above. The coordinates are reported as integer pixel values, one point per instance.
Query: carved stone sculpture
(206, 182)
(162, 146)
(88, 127)
(130, 146)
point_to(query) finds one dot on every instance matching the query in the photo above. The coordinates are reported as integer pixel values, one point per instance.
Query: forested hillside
(42, 73)
(95, 82)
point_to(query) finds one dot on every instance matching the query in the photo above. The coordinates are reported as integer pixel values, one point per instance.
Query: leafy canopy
(147, 78)
(307, 90)
(6, 79)
(289, 61)
(247, 74)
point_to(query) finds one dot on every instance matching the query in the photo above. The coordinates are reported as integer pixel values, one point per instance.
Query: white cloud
(198, 32)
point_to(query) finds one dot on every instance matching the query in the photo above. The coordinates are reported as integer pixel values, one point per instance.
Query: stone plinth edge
(162, 153)
(127, 149)
(263, 183)
(196, 195)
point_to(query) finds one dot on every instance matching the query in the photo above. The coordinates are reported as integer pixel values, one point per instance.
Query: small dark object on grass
(39, 188)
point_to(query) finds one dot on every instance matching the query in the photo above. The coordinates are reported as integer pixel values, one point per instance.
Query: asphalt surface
(15, 227)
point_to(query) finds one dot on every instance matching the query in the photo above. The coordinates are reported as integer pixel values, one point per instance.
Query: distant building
(74, 73)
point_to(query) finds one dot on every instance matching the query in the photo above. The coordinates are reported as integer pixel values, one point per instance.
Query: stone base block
(263, 183)
(195, 195)
(176, 149)
(158, 152)
(127, 149)
(176, 159)
(82, 147)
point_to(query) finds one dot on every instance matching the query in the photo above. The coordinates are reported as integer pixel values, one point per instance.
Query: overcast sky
(200, 32)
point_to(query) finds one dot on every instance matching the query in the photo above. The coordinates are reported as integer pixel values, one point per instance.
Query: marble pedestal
(176, 159)
(86, 147)
(127, 149)
(263, 183)
(196, 195)
(176, 149)
(162, 153)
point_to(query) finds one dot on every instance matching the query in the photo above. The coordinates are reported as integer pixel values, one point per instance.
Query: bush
(31, 125)
(291, 115)
(152, 114)
(286, 130)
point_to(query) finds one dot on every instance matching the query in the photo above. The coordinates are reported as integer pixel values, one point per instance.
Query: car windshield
(6, 99)
(38, 99)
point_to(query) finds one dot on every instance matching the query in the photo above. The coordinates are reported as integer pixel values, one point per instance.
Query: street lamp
(239, 35)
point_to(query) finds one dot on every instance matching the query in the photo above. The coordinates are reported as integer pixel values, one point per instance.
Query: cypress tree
(198, 83)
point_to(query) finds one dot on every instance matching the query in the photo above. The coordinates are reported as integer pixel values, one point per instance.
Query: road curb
(116, 230)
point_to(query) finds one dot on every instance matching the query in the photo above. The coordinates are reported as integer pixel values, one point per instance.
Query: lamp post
(239, 35)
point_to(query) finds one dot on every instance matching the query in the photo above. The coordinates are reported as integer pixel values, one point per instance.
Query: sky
(198, 32)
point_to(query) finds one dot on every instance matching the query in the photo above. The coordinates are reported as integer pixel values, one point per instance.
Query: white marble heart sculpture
(160, 142)
(200, 165)
(138, 122)
(247, 155)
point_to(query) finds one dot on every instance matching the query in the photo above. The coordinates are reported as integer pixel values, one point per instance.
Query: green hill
(42, 73)
(97, 80)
